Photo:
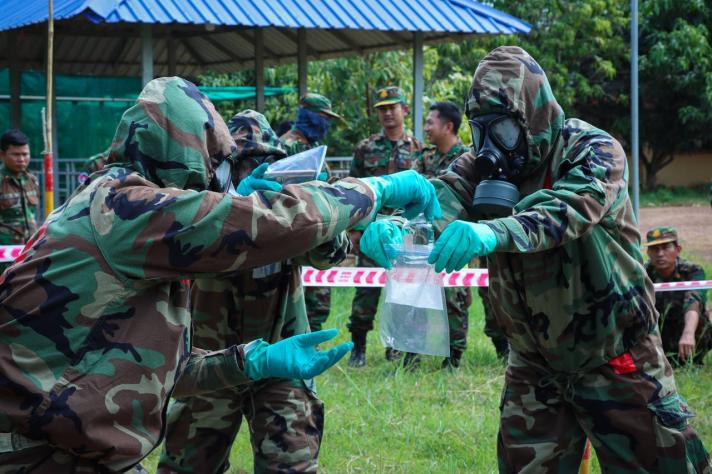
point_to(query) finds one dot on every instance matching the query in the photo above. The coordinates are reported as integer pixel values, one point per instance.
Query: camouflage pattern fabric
(631, 412)
(376, 156)
(94, 322)
(96, 162)
(431, 162)
(672, 306)
(268, 303)
(19, 197)
(567, 281)
(318, 299)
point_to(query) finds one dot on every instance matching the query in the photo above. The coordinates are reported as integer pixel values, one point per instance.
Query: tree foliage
(676, 80)
(582, 45)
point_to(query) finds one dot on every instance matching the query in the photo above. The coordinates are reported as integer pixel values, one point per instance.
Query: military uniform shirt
(431, 162)
(19, 197)
(672, 305)
(378, 155)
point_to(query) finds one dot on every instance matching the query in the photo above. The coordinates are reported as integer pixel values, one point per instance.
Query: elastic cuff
(363, 223)
(255, 359)
(501, 234)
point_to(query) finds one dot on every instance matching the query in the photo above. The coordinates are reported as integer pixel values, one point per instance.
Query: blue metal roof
(446, 16)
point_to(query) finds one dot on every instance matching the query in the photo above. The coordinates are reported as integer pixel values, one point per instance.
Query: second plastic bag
(412, 311)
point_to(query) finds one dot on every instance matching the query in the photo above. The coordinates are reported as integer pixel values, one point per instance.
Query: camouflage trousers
(629, 409)
(458, 301)
(318, 302)
(365, 303)
(45, 459)
(285, 418)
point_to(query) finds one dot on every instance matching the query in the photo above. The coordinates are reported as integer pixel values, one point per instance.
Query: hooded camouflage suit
(285, 416)
(569, 289)
(94, 317)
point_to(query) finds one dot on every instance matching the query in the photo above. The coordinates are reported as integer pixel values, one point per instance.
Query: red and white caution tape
(8, 253)
(375, 277)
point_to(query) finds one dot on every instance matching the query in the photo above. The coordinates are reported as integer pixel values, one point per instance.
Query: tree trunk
(652, 167)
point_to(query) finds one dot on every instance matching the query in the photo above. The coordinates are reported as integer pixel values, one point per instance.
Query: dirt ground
(693, 224)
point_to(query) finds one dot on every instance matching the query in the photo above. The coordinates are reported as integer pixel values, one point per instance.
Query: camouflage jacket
(94, 317)
(19, 197)
(377, 155)
(672, 305)
(295, 142)
(265, 302)
(430, 162)
(567, 281)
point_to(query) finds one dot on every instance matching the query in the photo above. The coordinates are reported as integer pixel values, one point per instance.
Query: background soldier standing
(314, 118)
(441, 127)
(266, 302)
(685, 328)
(386, 152)
(19, 191)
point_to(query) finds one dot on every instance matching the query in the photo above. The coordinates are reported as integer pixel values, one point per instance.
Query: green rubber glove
(407, 190)
(256, 182)
(459, 243)
(379, 240)
(295, 357)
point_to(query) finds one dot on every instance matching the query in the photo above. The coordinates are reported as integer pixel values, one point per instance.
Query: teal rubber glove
(323, 176)
(256, 182)
(459, 243)
(407, 190)
(295, 357)
(379, 240)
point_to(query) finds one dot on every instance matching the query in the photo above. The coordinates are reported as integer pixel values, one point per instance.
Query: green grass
(379, 420)
(675, 196)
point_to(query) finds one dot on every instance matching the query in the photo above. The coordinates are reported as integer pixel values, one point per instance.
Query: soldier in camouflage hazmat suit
(285, 416)
(314, 117)
(94, 316)
(568, 288)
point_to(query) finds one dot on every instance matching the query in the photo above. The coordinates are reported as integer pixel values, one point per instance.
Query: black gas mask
(500, 150)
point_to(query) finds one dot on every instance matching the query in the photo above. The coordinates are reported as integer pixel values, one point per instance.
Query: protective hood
(509, 80)
(254, 137)
(172, 136)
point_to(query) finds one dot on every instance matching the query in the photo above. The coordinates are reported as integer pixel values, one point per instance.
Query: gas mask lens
(503, 130)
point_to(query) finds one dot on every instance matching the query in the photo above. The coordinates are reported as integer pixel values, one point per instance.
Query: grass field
(382, 420)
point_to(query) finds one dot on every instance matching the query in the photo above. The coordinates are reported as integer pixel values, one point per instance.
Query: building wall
(687, 169)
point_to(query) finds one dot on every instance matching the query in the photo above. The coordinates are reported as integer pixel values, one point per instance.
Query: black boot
(452, 362)
(392, 354)
(501, 346)
(411, 361)
(358, 353)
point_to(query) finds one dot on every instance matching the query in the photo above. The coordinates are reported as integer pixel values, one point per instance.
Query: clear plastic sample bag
(298, 168)
(412, 311)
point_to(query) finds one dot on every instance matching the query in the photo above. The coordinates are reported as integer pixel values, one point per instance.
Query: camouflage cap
(318, 103)
(254, 136)
(660, 235)
(390, 95)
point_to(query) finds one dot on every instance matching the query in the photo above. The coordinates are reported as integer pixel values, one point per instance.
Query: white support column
(146, 54)
(418, 84)
(259, 70)
(302, 60)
